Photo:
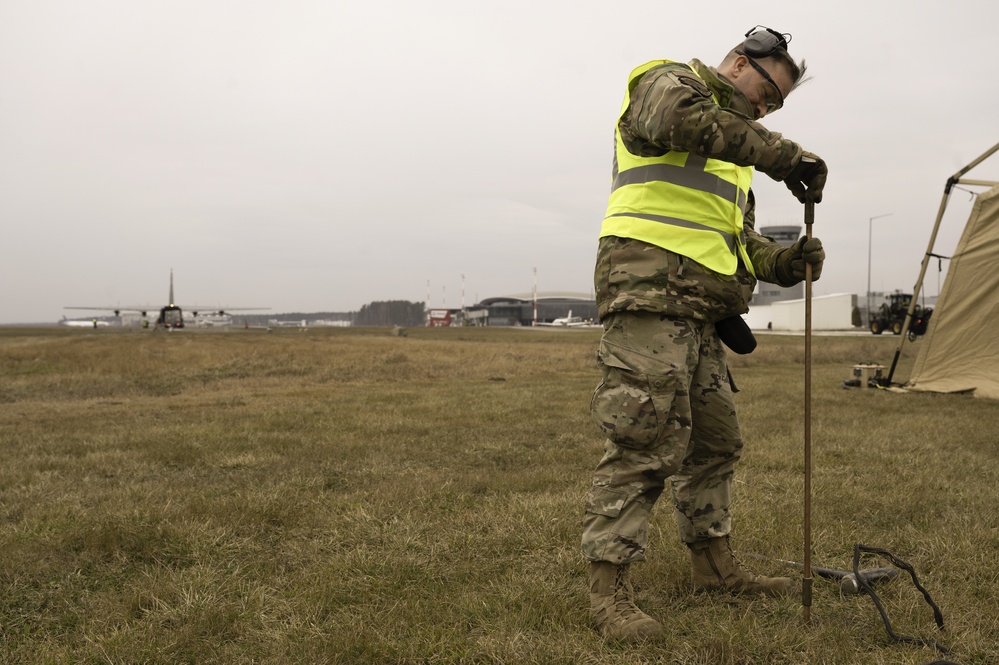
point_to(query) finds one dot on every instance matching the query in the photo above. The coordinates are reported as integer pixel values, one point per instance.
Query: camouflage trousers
(666, 405)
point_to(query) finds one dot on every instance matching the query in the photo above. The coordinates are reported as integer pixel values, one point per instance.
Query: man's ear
(738, 66)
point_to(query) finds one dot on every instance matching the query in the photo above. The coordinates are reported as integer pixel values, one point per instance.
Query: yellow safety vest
(679, 201)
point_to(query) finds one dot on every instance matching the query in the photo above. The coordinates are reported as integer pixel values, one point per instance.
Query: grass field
(350, 496)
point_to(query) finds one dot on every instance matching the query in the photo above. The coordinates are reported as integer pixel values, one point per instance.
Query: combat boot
(612, 606)
(716, 568)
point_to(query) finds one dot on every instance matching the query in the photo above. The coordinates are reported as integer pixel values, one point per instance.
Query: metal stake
(806, 581)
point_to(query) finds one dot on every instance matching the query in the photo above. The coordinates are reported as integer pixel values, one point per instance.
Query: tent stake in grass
(806, 580)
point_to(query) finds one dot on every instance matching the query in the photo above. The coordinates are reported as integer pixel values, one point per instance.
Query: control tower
(771, 293)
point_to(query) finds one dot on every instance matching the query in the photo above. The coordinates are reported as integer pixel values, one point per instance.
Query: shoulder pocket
(692, 81)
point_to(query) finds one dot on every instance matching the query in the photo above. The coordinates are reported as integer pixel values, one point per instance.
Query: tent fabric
(960, 351)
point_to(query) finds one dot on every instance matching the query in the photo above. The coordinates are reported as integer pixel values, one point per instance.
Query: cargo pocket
(632, 408)
(605, 501)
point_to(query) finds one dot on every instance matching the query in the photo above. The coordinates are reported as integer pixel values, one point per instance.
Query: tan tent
(960, 352)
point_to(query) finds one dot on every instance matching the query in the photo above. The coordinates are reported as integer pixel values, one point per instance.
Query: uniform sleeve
(673, 109)
(763, 250)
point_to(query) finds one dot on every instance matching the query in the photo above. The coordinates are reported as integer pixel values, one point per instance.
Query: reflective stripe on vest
(679, 201)
(690, 175)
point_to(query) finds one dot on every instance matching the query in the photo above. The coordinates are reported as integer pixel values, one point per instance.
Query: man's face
(750, 78)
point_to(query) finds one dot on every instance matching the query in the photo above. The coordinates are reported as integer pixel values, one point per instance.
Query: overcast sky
(318, 155)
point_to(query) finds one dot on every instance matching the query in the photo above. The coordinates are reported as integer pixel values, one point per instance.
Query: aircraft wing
(217, 308)
(155, 308)
(122, 308)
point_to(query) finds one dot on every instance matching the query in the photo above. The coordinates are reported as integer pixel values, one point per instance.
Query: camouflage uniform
(665, 401)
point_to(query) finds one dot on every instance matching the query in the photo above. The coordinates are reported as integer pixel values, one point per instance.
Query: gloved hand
(808, 177)
(791, 261)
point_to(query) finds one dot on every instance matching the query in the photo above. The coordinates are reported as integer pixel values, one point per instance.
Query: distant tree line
(391, 313)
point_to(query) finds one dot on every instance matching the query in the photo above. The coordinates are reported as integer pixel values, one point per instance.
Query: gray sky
(309, 156)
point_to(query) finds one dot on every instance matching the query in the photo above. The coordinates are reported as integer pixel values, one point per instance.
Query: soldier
(677, 262)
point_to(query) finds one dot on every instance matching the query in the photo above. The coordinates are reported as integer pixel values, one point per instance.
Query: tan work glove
(807, 178)
(791, 261)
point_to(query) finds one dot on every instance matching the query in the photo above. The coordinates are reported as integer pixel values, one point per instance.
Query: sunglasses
(771, 107)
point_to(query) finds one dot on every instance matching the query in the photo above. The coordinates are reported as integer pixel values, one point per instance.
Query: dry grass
(348, 496)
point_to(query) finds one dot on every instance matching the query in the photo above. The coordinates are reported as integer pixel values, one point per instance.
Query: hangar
(519, 309)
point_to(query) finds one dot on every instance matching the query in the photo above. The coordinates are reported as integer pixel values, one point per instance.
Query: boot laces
(738, 565)
(623, 603)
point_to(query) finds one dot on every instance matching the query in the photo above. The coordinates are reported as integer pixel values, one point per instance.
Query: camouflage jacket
(672, 109)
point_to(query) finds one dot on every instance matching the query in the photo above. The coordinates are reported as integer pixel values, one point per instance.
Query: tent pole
(985, 155)
(919, 283)
(951, 181)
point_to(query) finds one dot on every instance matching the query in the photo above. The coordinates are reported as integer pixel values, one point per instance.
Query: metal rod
(806, 581)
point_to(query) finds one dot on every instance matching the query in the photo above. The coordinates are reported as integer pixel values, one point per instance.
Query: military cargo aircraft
(171, 316)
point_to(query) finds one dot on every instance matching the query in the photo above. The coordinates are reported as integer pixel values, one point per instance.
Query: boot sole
(643, 634)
